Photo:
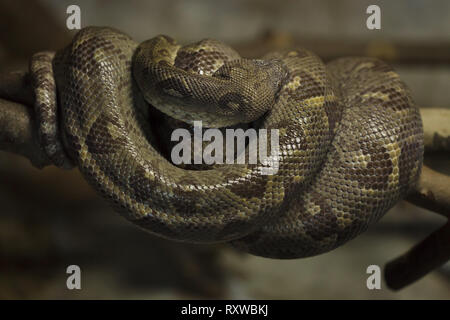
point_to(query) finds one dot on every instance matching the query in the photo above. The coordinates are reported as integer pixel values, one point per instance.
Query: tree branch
(436, 128)
(432, 192)
(423, 258)
(18, 133)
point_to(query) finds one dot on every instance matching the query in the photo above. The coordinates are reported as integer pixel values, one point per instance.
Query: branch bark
(18, 133)
(436, 128)
(16, 86)
(423, 258)
(432, 192)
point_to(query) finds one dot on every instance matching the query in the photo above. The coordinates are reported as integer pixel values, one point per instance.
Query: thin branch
(423, 258)
(432, 192)
(436, 128)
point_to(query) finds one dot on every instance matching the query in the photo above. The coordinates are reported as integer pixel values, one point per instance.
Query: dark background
(51, 218)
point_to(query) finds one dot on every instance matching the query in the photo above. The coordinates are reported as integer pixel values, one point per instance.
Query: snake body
(351, 140)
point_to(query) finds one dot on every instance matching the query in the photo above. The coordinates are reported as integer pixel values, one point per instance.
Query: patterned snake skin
(350, 138)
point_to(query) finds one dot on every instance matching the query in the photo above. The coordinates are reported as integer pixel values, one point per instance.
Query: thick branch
(18, 134)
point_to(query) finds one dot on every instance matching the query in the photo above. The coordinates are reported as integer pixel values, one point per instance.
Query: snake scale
(350, 138)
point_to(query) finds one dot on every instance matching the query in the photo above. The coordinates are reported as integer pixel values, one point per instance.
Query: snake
(350, 138)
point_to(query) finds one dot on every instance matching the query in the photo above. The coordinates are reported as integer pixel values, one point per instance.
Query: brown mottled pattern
(375, 158)
(204, 57)
(350, 138)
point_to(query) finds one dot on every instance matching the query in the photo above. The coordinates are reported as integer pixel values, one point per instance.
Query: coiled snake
(350, 138)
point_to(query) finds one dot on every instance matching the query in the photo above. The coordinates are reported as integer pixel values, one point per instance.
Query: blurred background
(50, 219)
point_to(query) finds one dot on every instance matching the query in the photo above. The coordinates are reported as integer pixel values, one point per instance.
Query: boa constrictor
(350, 138)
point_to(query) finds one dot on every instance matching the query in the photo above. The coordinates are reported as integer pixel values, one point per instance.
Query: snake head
(253, 86)
(240, 91)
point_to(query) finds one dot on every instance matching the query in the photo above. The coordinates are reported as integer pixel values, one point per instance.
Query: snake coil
(350, 138)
